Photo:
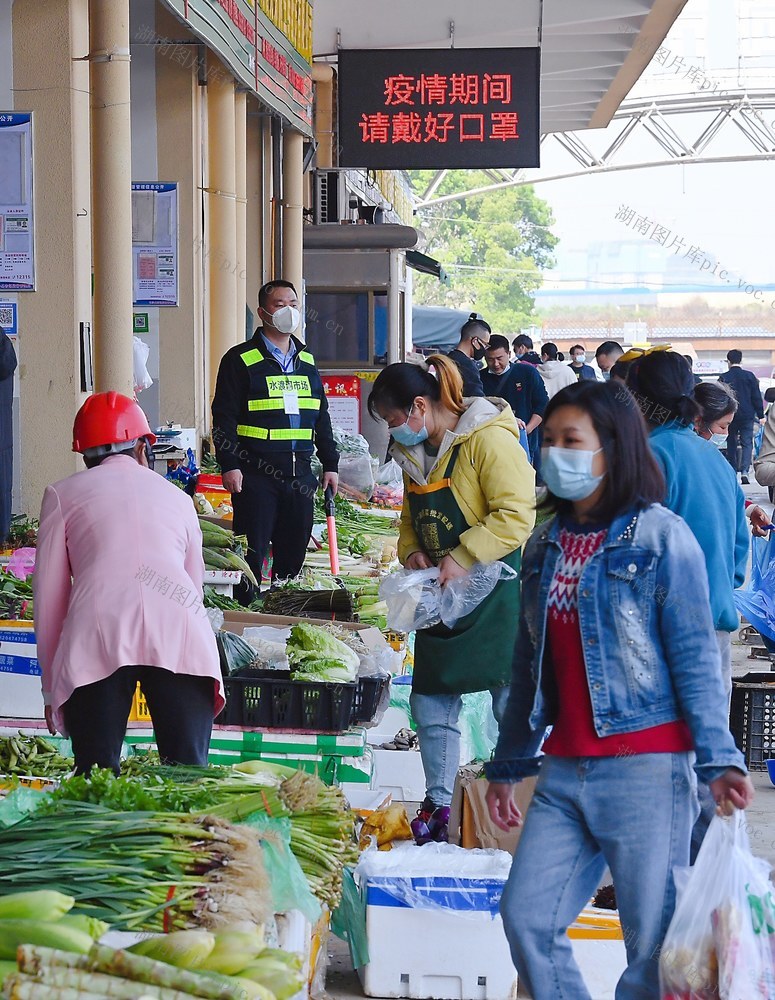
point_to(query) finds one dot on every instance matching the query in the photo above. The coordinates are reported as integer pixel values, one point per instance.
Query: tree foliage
(494, 247)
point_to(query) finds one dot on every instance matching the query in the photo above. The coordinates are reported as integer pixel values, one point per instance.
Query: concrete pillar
(268, 207)
(111, 194)
(323, 80)
(293, 206)
(221, 231)
(254, 207)
(182, 390)
(240, 176)
(54, 37)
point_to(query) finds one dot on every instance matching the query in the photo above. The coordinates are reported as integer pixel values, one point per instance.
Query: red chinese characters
(427, 108)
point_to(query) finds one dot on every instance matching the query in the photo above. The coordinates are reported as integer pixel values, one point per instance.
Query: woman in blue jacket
(701, 486)
(607, 657)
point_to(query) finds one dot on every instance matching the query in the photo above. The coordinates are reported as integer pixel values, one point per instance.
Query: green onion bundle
(322, 824)
(138, 870)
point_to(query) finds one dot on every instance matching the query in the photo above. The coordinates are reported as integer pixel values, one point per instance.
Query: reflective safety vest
(276, 396)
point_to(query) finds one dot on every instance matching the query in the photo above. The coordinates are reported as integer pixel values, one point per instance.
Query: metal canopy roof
(593, 51)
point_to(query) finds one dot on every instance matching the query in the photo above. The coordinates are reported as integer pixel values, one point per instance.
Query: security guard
(268, 409)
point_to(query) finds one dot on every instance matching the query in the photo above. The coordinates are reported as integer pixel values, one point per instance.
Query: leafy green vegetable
(316, 655)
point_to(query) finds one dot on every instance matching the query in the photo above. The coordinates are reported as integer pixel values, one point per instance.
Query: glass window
(337, 326)
(380, 328)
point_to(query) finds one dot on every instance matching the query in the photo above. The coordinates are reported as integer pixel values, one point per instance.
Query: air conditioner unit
(331, 199)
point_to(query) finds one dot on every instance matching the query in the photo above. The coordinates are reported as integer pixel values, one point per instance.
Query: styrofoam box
(399, 772)
(20, 695)
(601, 963)
(455, 953)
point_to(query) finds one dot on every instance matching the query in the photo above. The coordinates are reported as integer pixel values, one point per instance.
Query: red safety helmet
(108, 418)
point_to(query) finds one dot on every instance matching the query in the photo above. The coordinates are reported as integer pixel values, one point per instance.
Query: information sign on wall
(414, 108)
(343, 393)
(155, 244)
(17, 235)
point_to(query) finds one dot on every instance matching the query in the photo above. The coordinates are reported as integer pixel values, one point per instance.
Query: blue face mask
(568, 472)
(720, 440)
(403, 434)
(606, 376)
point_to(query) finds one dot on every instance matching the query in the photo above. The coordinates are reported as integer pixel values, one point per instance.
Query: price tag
(291, 402)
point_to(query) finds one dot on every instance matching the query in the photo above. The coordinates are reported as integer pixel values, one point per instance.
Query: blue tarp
(437, 328)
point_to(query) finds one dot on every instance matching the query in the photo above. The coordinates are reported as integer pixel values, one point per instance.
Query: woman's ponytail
(450, 382)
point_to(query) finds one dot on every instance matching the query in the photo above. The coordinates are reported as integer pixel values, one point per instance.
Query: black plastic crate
(367, 698)
(280, 703)
(752, 718)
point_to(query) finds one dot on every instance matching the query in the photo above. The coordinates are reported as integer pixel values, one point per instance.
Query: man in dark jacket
(520, 385)
(749, 408)
(474, 337)
(269, 409)
(7, 368)
(581, 370)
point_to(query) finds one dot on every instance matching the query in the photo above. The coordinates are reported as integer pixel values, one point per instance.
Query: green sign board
(256, 51)
(140, 323)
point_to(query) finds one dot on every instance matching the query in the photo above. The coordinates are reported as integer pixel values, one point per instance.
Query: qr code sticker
(6, 317)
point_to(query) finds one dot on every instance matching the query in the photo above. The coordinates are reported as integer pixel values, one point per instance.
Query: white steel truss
(668, 121)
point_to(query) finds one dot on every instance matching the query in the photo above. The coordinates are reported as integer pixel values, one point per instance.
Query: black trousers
(181, 708)
(740, 445)
(275, 509)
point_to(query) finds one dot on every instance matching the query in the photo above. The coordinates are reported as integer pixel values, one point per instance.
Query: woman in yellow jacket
(469, 497)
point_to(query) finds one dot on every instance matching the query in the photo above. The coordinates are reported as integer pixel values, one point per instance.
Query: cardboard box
(238, 621)
(470, 824)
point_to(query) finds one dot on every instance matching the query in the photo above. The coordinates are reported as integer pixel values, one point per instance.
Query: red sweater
(573, 734)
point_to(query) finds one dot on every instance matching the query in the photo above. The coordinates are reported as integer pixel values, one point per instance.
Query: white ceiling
(593, 51)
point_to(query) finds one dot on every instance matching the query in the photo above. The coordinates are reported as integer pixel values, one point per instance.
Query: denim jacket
(649, 645)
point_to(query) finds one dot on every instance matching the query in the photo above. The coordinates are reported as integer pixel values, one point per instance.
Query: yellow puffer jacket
(492, 482)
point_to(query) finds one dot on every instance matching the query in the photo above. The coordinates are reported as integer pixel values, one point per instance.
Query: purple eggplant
(438, 824)
(420, 831)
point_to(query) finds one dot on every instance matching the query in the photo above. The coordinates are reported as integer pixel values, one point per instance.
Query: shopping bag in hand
(719, 945)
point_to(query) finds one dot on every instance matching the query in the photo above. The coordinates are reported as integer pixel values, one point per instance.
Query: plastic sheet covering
(437, 877)
(289, 886)
(756, 601)
(720, 940)
(348, 921)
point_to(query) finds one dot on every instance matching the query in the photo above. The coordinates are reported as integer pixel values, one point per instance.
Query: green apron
(476, 654)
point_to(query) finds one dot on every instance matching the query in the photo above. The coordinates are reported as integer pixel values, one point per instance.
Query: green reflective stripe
(279, 404)
(276, 385)
(306, 356)
(291, 434)
(243, 430)
(266, 404)
(252, 357)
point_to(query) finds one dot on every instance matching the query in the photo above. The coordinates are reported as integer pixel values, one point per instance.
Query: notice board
(154, 244)
(17, 233)
(438, 108)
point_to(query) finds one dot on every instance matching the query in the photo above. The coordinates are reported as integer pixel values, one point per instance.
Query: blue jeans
(633, 814)
(435, 716)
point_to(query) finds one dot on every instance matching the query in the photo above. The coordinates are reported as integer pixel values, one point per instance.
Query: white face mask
(286, 319)
(568, 472)
(580, 359)
(720, 440)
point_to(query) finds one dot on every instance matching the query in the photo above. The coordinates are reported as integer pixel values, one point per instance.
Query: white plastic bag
(415, 600)
(356, 472)
(462, 596)
(390, 474)
(720, 941)
(140, 352)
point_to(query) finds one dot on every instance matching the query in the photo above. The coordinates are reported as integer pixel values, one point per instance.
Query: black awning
(427, 265)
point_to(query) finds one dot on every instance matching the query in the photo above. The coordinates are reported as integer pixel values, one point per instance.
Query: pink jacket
(118, 581)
